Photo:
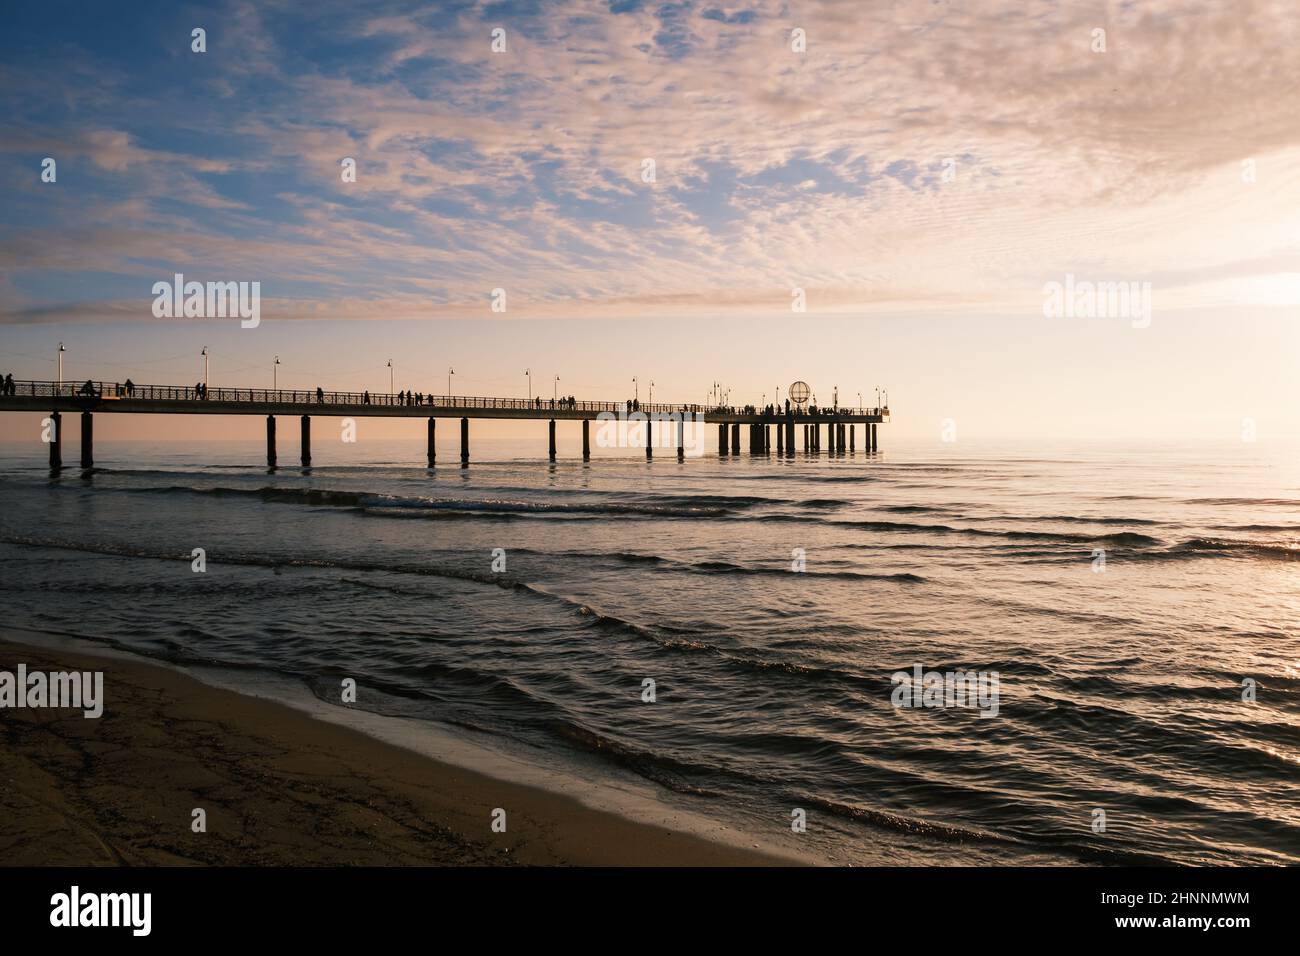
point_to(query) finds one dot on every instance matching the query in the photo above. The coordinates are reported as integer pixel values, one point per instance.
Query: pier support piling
(780, 439)
(852, 431)
(789, 436)
(306, 441)
(735, 439)
(681, 438)
(433, 431)
(464, 442)
(649, 438)
(56, 441)
(722, 441)
(87, 440)
(552, 431)
(874, 446)
(270, 441)
(586, 439)
(830, 437)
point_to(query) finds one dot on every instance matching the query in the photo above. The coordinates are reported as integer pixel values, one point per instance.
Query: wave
(1265, 502)
(1126, 539)
(1065, 519)
(382, 503)
(726, 567)
(1263, 550)
(914, 826)
(274, 562)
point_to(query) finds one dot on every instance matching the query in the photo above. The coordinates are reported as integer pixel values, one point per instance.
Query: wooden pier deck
(89, 398)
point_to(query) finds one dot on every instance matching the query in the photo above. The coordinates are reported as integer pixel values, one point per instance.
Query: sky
(857, 195)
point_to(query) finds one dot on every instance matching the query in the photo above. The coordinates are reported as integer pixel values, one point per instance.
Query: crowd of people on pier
(773, 411)
(413, 398)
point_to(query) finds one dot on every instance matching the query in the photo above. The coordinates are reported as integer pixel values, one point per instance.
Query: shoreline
(281, 786)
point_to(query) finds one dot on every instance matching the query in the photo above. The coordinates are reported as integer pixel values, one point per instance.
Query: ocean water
(1122, 595)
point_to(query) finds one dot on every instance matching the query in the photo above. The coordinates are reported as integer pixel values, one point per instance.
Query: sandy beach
(278, 788)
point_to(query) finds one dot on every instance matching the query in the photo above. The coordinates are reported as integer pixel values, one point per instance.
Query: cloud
(522, 170)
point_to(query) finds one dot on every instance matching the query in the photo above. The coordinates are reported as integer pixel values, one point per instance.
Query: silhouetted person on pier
(320, 394)
(89, 388)
(365, 398)
(130, 387)
(9, 384)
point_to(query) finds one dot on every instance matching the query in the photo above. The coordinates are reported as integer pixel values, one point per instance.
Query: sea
(732, 633)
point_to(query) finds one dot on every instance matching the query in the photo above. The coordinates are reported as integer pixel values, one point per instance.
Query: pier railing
(98, 390)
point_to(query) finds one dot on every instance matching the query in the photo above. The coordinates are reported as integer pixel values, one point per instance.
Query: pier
(55, 400)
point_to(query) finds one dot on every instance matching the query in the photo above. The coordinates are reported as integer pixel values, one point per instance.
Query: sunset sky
(920, 172)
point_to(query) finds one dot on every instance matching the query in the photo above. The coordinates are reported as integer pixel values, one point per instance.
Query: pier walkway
(88, 398)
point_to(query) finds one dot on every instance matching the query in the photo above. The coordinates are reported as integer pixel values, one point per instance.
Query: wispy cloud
(773, 168)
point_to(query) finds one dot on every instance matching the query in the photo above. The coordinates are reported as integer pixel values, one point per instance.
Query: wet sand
(278, 788)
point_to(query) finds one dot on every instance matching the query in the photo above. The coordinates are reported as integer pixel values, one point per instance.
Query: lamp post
(390, 376)
(877, 396)
(61, 351)
(636, 393)
(204, 353)
(859, 401)
(651, 399)
(555, 388)
(450, 372)
(275, 375)
(528, 374)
